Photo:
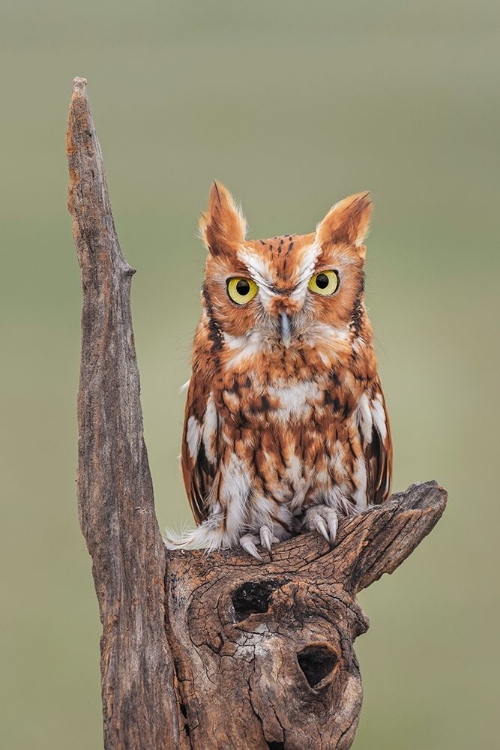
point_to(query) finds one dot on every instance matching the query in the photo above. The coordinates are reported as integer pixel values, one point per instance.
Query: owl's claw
(320, 525)
(248, 544)
(267, 538)
(322, 519)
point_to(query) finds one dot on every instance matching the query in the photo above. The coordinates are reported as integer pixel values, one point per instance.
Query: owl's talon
(266, 539)
(322, 519)
(320, 526)
(333, 524)
(248, 544)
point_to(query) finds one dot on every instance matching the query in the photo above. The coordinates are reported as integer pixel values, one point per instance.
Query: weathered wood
(264, 652)
(207, 652)
(115, 492)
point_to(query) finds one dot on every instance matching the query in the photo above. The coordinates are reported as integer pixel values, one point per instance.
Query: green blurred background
(293, 105)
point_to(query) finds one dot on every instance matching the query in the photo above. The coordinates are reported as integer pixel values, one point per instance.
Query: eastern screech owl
(286, 426)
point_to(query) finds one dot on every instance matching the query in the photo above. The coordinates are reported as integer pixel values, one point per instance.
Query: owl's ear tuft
(347, 222)
(222, 227)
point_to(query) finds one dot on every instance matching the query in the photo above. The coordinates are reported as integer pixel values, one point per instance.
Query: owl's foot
(266, 538)
(323, 519)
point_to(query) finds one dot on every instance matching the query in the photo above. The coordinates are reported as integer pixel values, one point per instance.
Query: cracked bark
(205, 652)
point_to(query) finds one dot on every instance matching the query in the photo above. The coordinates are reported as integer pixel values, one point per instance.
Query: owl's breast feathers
(286, 432)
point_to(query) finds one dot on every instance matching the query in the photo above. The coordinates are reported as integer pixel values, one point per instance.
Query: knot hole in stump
(317, 663)
(253, 597)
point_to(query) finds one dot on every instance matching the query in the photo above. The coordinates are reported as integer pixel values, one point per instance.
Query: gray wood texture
(205, 652)
(115, 492)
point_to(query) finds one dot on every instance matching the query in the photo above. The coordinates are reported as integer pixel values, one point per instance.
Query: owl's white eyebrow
(262, 273)
(306, 268)
(257, 267)
(259, 271)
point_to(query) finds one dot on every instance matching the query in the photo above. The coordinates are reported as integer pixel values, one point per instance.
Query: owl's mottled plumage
(286, 425)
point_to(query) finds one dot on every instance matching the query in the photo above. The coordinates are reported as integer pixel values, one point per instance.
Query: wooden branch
(115, 493)
(207, 652)
(264, 652)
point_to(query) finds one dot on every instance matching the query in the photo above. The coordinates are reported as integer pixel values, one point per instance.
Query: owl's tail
(210, 535)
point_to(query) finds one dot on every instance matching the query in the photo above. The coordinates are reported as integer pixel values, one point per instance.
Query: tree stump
(219, 651)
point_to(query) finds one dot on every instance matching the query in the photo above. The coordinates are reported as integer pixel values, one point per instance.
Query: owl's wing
(377, 445)
(200, 447)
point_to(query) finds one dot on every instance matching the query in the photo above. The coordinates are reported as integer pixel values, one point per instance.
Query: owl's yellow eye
(324, 283)
(241, 290)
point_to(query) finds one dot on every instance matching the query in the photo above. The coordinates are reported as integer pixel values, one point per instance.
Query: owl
(286, 427)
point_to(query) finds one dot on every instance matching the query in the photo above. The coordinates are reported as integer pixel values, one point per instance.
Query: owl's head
(288, 291)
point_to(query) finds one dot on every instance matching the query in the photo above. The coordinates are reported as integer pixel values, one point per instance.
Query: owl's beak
(286, 331)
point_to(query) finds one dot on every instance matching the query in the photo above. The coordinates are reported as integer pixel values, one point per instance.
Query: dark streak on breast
(335, 378)
(234, 388)
(266, 406)
(281, 454)
(243, 421)
(260, 405)
(333, 402)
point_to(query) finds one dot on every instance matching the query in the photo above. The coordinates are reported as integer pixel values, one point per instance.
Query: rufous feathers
(223, 227)
(347, 222)
(286, 427)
